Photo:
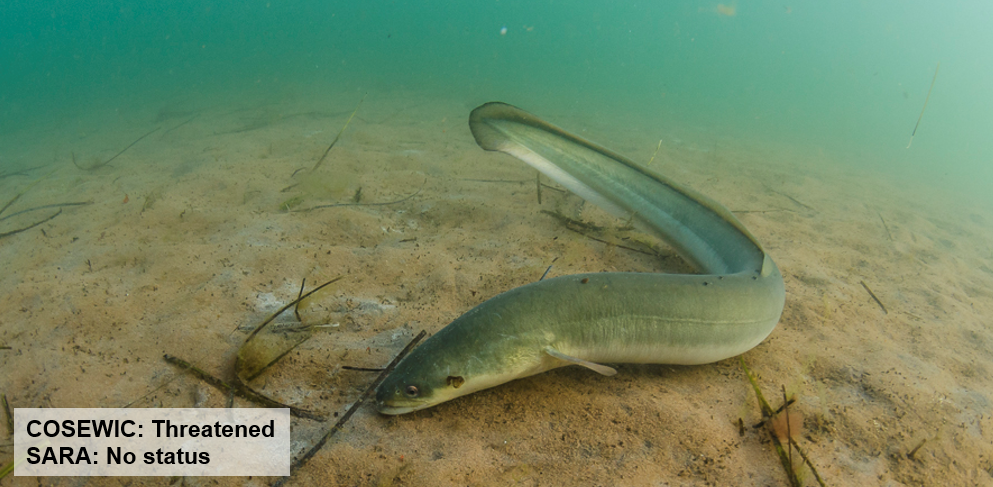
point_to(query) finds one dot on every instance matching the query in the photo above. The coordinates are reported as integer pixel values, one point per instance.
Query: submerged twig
(35, 224)
(777, 411)
(767, 413)
(25, 190)
(29, 227)
(22, 193)
(286, 307)
(587, 230)
(355, 406)
(654, 154)
(798, 202)
(181, 124)
(385, 203)
(928, 97)
(542, 278)
(245, 371)
(239, 389)
(200, 373)
(150, 132)
(512, 181)
(43, 207)
(789, 433)
(22, 172)
(239, 386)
(108, 161)
(810, 464)
(10, 417)
(887, 227)
(296, 309)
(537, 183)
(362, 369)
(880, 303)
(335, 141)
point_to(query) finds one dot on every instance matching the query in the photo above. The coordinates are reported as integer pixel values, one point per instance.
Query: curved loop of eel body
(586, 319)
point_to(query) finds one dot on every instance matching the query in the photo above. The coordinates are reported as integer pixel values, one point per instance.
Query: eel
(731, 306)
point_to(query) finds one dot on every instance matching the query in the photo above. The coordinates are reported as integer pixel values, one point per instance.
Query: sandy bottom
(186, 245)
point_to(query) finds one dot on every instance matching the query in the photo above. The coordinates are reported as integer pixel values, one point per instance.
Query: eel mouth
(395, 403)
(391, 410)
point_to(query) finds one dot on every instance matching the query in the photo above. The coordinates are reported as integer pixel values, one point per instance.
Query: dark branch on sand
(348, 414)
(880, 303)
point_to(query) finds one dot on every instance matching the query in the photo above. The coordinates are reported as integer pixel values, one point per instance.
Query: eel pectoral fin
(600, 369)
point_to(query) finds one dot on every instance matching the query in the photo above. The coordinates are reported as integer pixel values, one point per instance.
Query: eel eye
(411, 391)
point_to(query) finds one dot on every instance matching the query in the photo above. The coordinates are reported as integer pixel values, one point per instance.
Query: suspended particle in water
(503, 30)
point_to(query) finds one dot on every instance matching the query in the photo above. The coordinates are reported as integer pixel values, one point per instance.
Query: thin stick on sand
(108, 161)
(655, 154)
(10, 417)
(537, 182)
(767, 414)
(335, 141)
(789, 434)
(351, 410)
(887, 227)
(928, 97)
(880, 303)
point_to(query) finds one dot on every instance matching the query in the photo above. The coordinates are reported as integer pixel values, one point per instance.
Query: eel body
(590, 319)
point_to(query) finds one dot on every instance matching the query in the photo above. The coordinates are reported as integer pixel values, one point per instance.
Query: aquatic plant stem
(928, 97)
(335, 141)
(768, 413)
(25, 190)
